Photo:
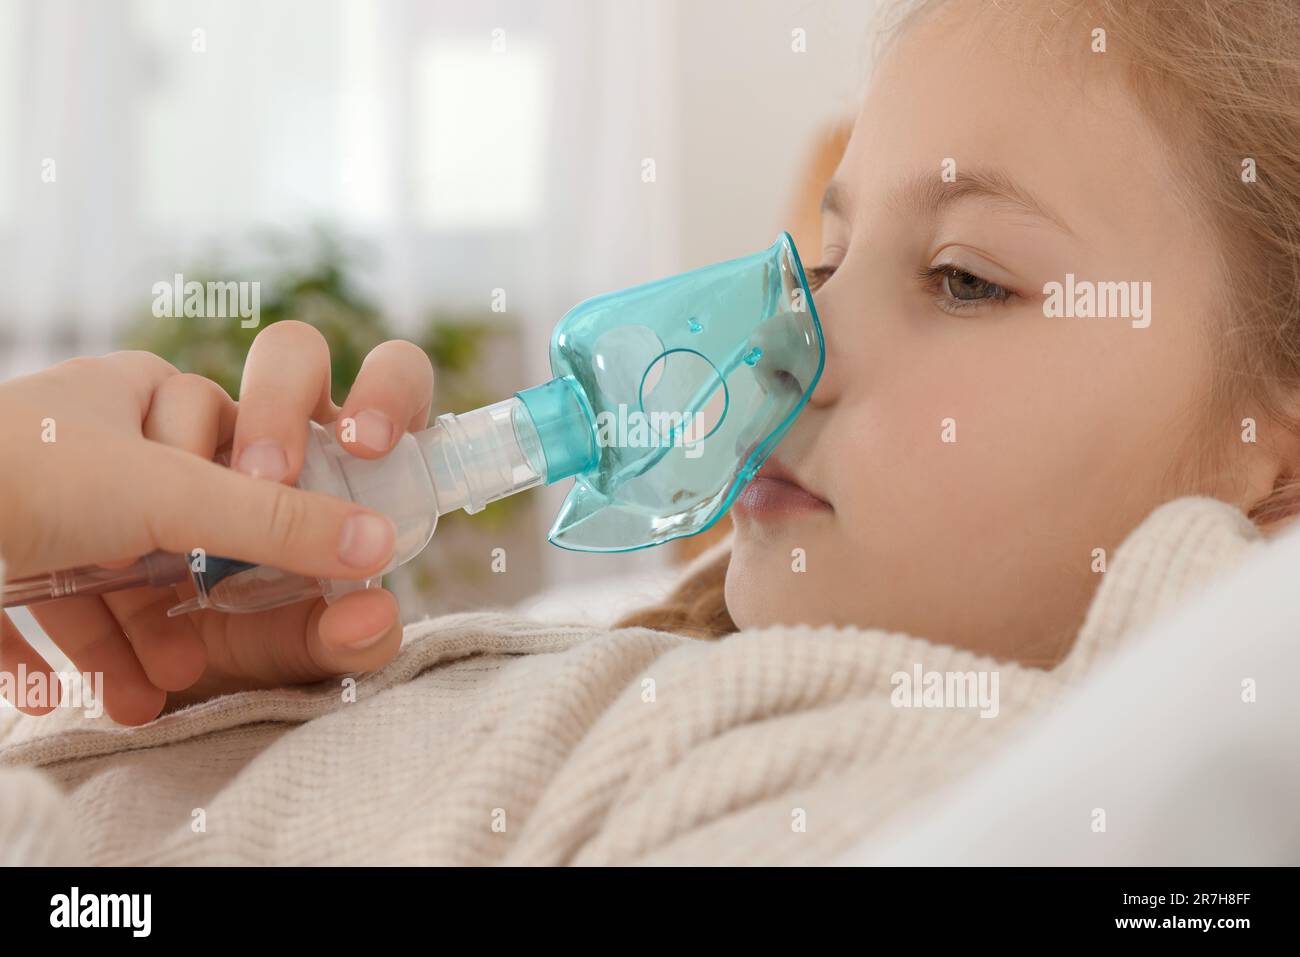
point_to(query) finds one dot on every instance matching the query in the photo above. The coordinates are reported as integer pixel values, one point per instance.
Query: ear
(1270, 468)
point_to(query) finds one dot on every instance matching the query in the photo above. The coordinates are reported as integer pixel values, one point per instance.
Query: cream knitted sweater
(493, 739)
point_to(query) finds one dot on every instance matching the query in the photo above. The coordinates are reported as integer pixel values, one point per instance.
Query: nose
(830, 384)
(786, 356)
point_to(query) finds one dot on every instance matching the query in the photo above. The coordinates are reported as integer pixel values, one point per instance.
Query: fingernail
(265, 460)
(367, 540)
(367, 641)
(374, 430)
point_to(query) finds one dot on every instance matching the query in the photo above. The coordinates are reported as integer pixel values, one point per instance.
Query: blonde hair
(1222, 83)
(696, 607)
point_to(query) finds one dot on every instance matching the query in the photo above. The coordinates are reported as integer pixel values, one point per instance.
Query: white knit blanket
(494, 739)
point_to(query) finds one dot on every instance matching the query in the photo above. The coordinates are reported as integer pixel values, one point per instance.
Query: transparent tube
(481, 456)
(153, 571)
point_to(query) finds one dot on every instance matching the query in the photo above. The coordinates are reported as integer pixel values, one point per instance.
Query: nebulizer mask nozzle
(666, 399)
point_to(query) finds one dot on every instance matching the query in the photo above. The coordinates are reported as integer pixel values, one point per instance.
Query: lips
(775, 491)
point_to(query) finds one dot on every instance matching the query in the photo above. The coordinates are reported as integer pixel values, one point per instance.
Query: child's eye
(956, 289)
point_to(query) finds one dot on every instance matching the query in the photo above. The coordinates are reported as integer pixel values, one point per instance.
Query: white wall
(750, 105)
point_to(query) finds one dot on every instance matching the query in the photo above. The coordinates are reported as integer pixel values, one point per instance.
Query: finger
(359, 632)
(188, 503)
(170, 650)
(141, 372)
(86, 632)
(392, 394)
(18, 657)
(192, 413)
(286, 382)
(187, 412)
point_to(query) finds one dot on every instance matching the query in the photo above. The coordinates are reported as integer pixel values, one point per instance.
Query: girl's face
(971, 451)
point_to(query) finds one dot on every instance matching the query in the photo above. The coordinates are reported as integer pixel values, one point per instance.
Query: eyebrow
(929, 195)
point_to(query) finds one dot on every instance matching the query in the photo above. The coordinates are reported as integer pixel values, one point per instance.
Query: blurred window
(480, 127)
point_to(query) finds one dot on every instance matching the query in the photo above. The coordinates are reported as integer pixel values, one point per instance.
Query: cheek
(959, 449)
(1072, 431)
(931, 451)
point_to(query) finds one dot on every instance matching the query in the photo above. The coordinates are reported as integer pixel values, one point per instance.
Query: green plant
(310, 280)
(307, 280)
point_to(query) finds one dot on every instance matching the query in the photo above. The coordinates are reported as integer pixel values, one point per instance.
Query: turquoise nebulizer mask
(666, 399)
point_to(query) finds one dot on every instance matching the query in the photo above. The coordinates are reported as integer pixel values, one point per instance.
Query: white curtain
(178, 128)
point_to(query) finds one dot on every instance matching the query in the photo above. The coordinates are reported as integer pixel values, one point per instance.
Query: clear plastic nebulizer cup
(665, 400)
(462, 462)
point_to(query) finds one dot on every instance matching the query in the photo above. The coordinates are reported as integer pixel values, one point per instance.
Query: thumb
(199, 504)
